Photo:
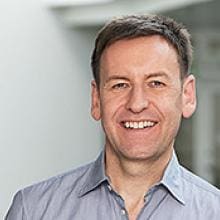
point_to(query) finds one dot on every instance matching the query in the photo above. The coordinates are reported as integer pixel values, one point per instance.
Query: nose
(137, 100)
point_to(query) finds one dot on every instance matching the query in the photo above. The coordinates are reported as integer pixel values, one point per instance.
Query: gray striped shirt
(85, 194)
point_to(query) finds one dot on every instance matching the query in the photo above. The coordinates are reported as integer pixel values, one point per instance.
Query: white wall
(45, 126)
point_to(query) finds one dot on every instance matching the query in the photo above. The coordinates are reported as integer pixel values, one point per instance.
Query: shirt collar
(95, 176)
(172, 179)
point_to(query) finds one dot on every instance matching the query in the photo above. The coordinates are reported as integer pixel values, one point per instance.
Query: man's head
(129, 27)
(138, 92)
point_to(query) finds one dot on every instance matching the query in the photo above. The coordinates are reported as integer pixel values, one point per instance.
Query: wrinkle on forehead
(135, 51)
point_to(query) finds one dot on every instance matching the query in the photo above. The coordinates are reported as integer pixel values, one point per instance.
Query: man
(141, 90)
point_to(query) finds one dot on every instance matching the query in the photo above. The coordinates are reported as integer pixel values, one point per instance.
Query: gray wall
(45, 123)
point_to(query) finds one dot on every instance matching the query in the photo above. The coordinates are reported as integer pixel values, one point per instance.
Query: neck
(131, 179)
(123, 171)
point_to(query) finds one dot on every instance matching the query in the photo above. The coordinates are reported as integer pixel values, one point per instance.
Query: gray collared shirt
(85, 194)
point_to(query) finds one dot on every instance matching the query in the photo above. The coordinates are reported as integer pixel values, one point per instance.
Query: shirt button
(123, 212)
(109, 187)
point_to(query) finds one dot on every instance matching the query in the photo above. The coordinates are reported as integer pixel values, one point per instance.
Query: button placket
(122, 211)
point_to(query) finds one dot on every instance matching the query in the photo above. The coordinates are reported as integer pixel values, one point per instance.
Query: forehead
(148, 52)
(150, 41)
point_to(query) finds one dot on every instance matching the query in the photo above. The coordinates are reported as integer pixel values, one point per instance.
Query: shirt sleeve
(16, 211)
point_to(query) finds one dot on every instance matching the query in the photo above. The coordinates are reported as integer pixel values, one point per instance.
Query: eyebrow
(116, 77)
(157, 74)
(147, 76)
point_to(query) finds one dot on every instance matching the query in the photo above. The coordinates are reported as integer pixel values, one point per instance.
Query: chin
(140, 155)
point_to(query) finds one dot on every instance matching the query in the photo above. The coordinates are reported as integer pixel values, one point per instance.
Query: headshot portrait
(154, 162)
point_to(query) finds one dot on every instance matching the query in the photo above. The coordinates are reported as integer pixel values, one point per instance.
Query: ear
(95, 102)
(189, 96)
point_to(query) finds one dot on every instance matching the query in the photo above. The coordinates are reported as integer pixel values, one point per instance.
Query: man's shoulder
(50, 196)
(199, 187)
(58, 185)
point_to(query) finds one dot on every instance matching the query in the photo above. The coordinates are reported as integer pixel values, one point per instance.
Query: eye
(156, 84)
(120, 86)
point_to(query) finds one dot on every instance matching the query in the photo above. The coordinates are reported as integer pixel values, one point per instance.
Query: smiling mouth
(138, 124)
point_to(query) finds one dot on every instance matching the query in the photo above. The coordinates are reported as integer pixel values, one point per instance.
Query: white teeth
(127, 124)
(135, 124)
(141, 124)
(138, 125)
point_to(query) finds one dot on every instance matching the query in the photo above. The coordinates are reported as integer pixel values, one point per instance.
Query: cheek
(171, 106)
(109, 109)
(175, 113)
(172, 114)
(112, 104)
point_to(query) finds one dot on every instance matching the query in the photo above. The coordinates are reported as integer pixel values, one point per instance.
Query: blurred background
(45, 123)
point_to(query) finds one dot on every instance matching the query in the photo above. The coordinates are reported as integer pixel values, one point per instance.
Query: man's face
(141, 98)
